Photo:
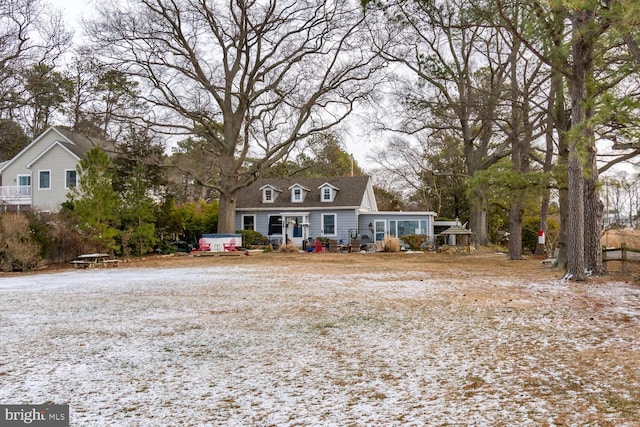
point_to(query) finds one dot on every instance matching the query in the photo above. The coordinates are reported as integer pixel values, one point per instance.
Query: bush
(391, 244)
(18, 249)
(415, 242)
(252, 238)
(289, 247)
(63, 241)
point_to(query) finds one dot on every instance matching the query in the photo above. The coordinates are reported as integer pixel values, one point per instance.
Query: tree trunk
(478, 221)
(227, 213)
(561, 121)
(575, 232)
(593, 211)
(515, 229)
(582, 49)
(563, 235)
(518, 148)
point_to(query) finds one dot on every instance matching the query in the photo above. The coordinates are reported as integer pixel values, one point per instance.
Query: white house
(40, 176)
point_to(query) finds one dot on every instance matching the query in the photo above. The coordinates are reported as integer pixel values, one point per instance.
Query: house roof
(80, 144)
(352, 190)
(76, 144)
(457, 230)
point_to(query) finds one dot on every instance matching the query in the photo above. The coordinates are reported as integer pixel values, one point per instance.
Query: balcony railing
(15, 194)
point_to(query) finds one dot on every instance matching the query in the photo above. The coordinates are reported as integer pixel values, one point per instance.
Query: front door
(294, 230)
(24, 185)
(381, 229)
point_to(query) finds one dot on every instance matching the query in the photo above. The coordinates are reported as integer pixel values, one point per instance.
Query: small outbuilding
(456, 235)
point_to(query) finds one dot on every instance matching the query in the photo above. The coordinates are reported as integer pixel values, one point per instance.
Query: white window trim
(39, 180)
(266, 191)
(335, 224)
(254, 221)
(29, 188)
(332, 194)
(20, 175)
(269, 222)
(298, 191)
(66, 183)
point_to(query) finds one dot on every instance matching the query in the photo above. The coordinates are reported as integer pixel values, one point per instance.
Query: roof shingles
(350, 194)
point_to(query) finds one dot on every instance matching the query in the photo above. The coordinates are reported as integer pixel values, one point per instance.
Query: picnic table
(93, 260)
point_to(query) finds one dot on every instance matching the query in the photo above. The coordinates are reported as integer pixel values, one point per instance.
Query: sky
(355, 132)
(359, 139)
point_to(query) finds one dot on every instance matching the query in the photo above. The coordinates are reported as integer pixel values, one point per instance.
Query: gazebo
(457, 235)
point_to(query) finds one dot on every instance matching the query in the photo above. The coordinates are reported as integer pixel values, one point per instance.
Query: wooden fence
(623, 254)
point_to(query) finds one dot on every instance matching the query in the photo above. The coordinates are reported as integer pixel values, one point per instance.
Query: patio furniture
(93, 260)
(231, 246)
(203, 245)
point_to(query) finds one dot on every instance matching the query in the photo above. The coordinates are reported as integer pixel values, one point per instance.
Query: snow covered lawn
(241, 344)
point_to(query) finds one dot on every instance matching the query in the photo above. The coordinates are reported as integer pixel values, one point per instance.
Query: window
(248, 222)
(328, 224)
(44, 180)
(297, 195)
(24, 185)
(408, 228)
(70, 179)
(269, 193)
(380, 229)
(327, 192)
(275, 225)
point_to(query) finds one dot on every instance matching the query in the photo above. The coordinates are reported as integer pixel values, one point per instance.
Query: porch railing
(15, 194)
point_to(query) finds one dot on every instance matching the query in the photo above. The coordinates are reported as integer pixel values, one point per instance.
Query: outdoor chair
(231, 246)
(203, 245)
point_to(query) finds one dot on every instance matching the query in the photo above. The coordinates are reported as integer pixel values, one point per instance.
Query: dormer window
(298, 193)
(269, 194)
(328, 192)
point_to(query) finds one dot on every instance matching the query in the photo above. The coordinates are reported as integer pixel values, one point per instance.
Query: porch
(15, 195)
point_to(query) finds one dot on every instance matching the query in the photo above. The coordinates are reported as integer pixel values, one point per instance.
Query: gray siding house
(40, 176)
(342, 209)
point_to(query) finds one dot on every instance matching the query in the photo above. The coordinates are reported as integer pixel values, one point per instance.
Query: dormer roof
(350, 192)
(296, 185)
(328, 184)
(269, 193)
(271, 187)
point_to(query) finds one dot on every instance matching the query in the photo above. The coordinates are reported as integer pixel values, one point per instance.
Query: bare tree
(431, 172)
(250, 77)
(30, 34)
(459, 69)
(404, 164)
